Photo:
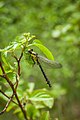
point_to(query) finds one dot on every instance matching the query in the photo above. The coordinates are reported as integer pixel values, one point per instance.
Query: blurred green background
(57, 24)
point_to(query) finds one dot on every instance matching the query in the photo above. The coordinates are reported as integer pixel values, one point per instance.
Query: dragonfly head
(32, 52)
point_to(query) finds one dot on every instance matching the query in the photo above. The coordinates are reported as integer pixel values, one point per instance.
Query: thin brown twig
(21, 56)
(19, 62)
(21, 106)
(7, 97)
(2, 68)
(17, 81)
(7, 104)
(5, 76)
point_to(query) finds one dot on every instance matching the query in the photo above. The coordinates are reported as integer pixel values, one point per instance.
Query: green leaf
(37, 41)
(6, 49)
(45, 50)
(41, 99)
(4, 57)
(11, 47)
(31, 87)
(15, 45)
(10, 107)
(32, 112)
(17, 110)
(45, 116)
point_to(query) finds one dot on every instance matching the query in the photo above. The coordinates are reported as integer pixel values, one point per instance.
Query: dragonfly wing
(50, 63)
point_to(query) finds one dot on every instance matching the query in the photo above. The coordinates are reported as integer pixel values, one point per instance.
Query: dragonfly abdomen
(48, 82)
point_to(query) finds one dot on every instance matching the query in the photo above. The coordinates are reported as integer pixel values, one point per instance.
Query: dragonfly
(37, 58)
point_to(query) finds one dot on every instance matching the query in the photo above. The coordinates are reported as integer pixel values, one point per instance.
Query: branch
(7, 97)
(18, 60)
(19, 63)
(7, 104)
(5, 76)
(21, 106)
(17, 79)
(21, 55)
(12, 86)
(2, 68)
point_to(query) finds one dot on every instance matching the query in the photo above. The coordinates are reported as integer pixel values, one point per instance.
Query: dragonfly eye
(30, 51)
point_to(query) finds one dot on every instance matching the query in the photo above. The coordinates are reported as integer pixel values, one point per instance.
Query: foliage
(28, 98)
(57, 24)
